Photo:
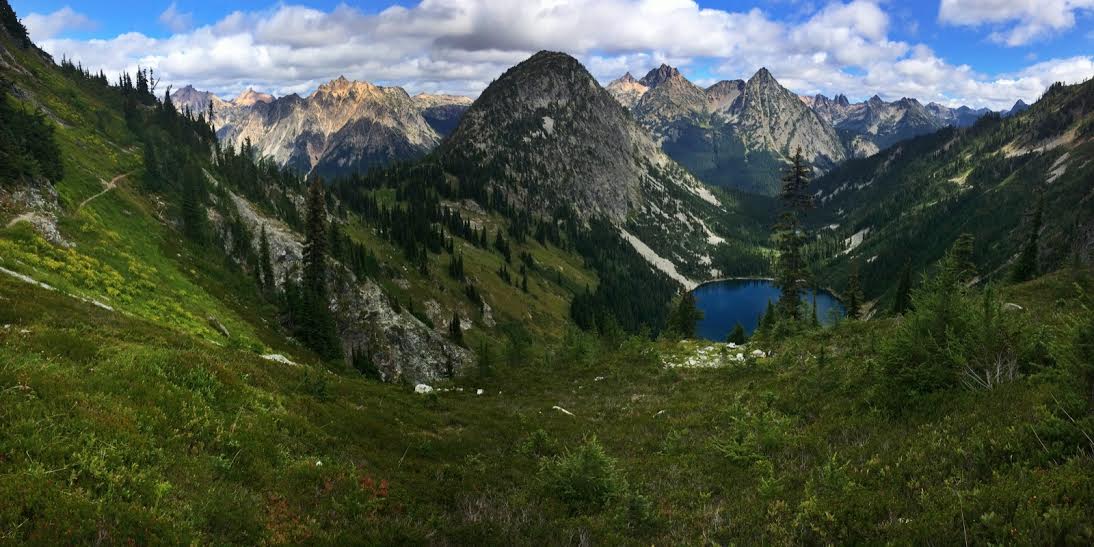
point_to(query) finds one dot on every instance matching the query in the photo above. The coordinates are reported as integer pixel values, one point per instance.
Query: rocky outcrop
(401, 346)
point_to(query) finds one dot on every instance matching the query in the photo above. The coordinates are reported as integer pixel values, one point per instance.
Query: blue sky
(976, 52)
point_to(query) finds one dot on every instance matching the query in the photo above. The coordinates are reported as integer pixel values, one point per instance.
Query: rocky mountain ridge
(732, 133)
(344, 126)
(735, 132)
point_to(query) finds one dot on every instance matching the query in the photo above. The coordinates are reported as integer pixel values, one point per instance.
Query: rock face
(627, 90)
(768, 116)
(401, 346)
(734, 133)
(344, 126)
(553, 137)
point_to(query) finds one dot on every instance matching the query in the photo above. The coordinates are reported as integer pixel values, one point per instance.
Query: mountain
(442, 112)
(910, 202)
(627, 90)
(734, 134)
(875, 124)
(1019, 107)
(341, 128)
(961, 116)
(556, 138)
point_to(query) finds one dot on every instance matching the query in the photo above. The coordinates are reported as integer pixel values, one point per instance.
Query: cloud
(1017, 22)
(460, 46)
(44, 27)
(176, 20)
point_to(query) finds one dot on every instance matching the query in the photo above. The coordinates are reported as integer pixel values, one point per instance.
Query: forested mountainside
(343, 127)
(738, 134)
(200, 347)
(1000, 180)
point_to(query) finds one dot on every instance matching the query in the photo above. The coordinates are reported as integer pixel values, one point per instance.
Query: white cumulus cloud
(1018, 22)
(175, 20)
(460, 46)
(43, 27)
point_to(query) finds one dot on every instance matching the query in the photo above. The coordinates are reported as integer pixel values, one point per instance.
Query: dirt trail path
(25, 217)
(107, 186)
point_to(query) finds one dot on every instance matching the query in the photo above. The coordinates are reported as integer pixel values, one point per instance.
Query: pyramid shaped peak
(659, 75)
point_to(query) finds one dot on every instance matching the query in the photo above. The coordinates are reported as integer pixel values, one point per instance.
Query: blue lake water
(725, 303)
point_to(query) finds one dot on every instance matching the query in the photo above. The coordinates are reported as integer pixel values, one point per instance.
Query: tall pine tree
(854, 293)
(264, 264)
(316, 326)
(790, 236)
(1026, 267)
(903, 300)
(684, 319)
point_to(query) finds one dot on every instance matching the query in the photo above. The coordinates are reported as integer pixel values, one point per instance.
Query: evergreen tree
(1026, 267)
(13, 25)
(265, 264)
(903, 300)
(316, 325)
(361, 359)
(790, 237)
(769, 317)
(194, 218)
(455, 329)
(854, 294)
(815, 319)
(686, 316)
(737, 336)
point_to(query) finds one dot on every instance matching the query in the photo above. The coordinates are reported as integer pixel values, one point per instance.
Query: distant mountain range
(735, 132)
(344, 126)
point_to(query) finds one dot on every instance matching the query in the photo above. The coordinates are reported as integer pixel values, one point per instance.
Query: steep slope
(770, 117)
(120, 229)
(734, 134)
(910, 202)
(553, 137)
(341, 128)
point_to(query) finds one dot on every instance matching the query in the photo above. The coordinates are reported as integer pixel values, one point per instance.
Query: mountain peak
(249, 97)
(659, 75)
(628, 79)
(762, 75)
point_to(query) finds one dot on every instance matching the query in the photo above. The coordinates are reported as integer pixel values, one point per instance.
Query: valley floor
(115, 430)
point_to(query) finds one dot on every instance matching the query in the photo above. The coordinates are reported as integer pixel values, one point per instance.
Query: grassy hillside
(117, 429)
